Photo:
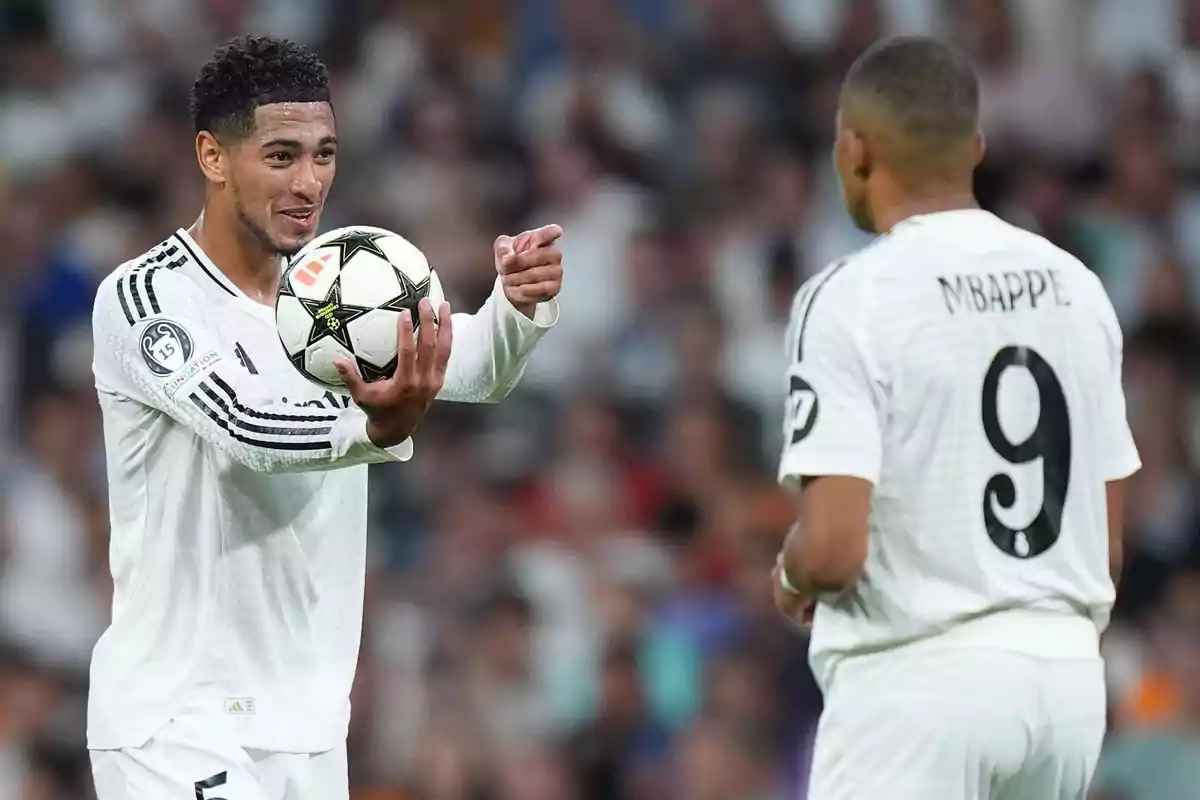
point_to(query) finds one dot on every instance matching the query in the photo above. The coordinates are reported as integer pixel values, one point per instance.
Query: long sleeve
(155, 345)
(491, 348)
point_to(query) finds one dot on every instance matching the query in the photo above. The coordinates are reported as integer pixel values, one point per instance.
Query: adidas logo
(239, 705)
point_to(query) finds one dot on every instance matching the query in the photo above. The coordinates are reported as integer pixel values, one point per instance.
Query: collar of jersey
(214, 273)
(933, 216)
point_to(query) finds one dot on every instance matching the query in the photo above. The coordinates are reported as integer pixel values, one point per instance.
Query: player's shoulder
(1009, 236)
(844, 283)
(1081, 284)
(141, 287)
(832, 306)
(983, 234)
(1047, 251)
(871, 265)
(163, 258)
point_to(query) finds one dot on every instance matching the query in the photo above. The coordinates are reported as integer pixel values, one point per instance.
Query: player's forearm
(796, 571)
(270, 439)
(1115, 506)
(349, 445)
(826, 550)
(491, 348)
(1116, 562)
(801, 578)
(810, 573)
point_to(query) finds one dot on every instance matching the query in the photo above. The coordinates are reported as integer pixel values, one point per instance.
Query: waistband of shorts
(1051, 635)
(1058, 635)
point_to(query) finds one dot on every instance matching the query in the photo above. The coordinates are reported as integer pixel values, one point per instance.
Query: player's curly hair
(252, 71)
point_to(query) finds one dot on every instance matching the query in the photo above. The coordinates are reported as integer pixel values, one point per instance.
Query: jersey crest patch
(166, 347)
(244, 358)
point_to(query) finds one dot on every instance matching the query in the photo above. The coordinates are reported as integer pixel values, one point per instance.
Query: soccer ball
(341, 297)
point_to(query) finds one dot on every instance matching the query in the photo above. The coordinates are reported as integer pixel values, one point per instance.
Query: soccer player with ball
(237, 464)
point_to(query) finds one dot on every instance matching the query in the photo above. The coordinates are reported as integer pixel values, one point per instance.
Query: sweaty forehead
(302, 122)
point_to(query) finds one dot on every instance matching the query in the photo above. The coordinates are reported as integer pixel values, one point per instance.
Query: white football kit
(971, 371)
(238, 494)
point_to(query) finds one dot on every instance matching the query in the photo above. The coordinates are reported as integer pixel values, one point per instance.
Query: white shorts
(187, 764)
(964, 724)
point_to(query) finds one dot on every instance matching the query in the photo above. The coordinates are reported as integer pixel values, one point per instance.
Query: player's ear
(979, 147)
(211, 157)
(859, 154)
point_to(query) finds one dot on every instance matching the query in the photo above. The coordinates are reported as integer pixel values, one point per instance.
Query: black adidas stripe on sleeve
(137, 296)
(124, 302)
(218, 400)
(293, 430)
(227, 424)
(296, 417)
(174, 263)
(135, 289)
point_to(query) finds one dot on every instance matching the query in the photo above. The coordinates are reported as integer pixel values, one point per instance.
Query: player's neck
(240, 258)
(891, 214)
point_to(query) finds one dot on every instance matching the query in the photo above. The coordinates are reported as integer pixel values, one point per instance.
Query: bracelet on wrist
(787, 585)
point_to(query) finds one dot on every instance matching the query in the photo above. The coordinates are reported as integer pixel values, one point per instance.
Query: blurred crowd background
(568, 594)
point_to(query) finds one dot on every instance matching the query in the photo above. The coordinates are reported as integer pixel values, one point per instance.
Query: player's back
(994, 360)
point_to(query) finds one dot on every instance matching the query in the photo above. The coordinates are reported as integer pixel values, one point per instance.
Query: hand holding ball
(342, 297)
(359, 311)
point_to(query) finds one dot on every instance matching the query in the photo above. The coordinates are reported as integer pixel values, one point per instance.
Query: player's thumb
(503, 247)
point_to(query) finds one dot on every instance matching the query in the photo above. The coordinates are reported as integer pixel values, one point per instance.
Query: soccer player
(238, 489)
(957, 438)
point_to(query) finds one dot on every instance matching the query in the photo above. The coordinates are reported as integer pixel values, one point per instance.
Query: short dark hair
(252, 71)
(923, 87)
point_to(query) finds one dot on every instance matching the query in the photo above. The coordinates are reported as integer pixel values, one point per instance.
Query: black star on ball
(371, 373)
(410, 294)
(354, 241)
(331, 317)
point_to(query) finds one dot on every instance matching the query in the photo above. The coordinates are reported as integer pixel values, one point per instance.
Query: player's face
(849, 157)
(281, 173)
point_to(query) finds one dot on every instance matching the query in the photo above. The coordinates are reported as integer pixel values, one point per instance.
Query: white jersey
(238, 495)
(971, 371)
